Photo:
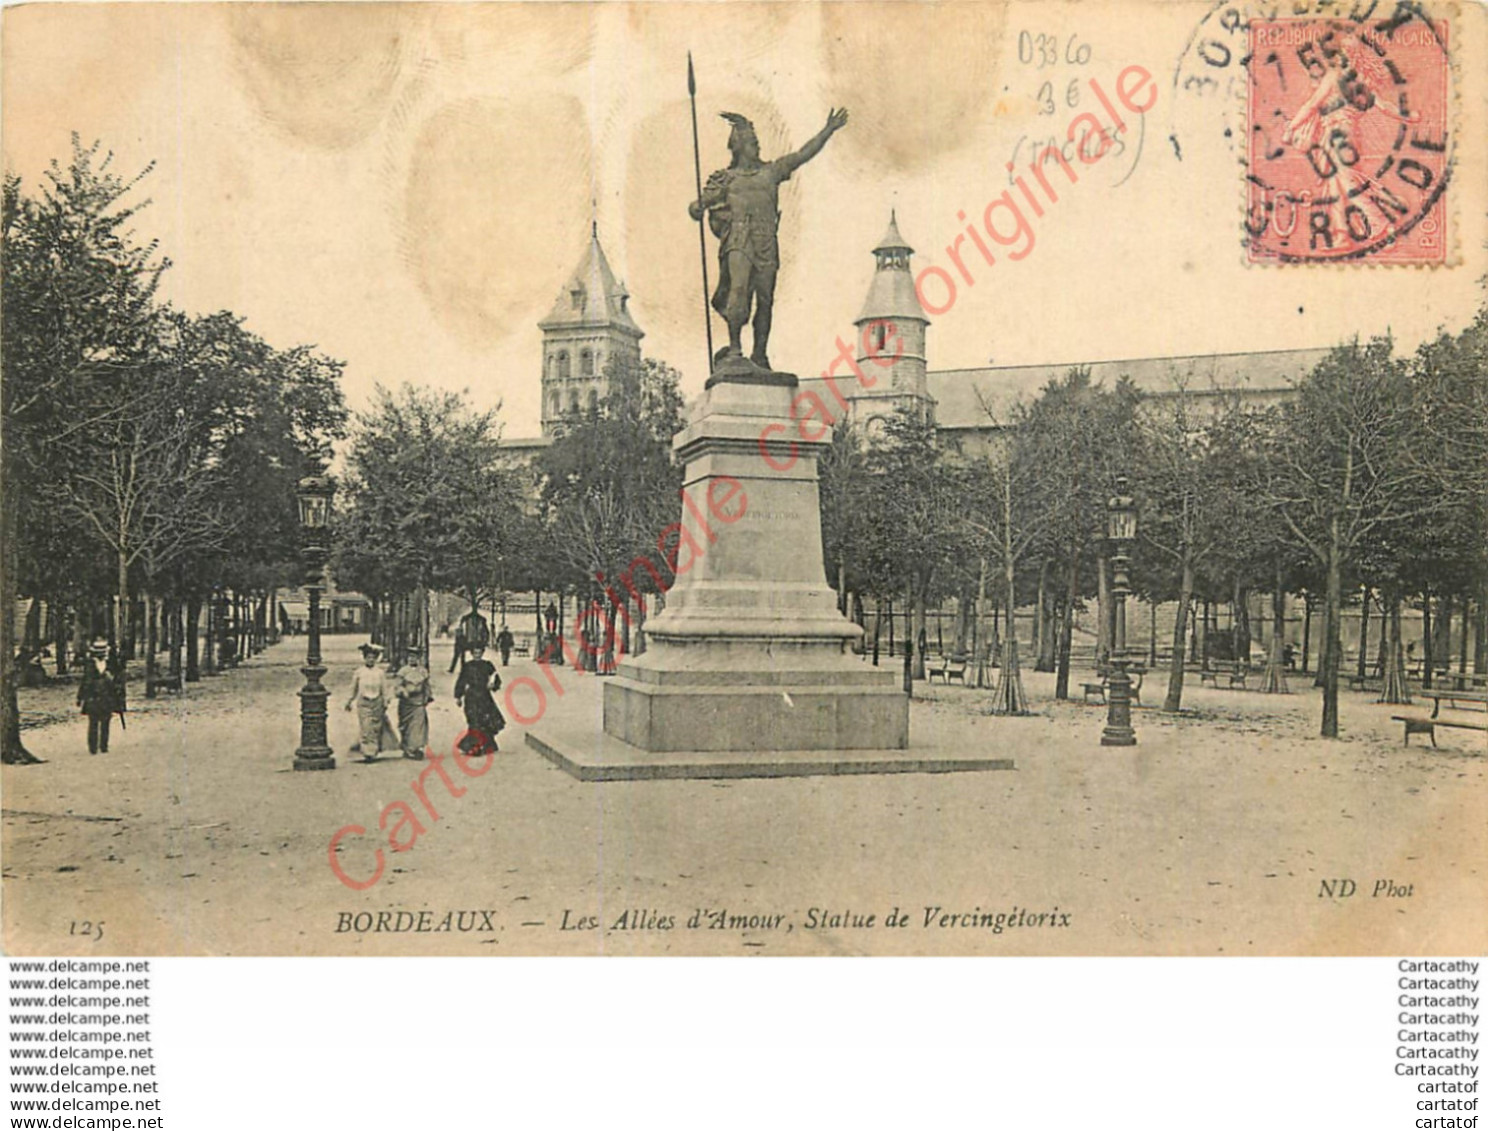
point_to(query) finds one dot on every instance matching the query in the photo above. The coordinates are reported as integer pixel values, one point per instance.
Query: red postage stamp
(1348, 146)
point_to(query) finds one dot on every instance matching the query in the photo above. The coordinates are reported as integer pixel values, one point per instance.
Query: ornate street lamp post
(315, 493)
(1121, 528)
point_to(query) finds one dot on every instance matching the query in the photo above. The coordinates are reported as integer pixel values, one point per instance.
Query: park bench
(1455, 698)
(1136, 673)
(522, 648)
(1234, 676)
(1416, 669)
(1465, 681)
(1418, 724)
(947, 667)
(170, 681)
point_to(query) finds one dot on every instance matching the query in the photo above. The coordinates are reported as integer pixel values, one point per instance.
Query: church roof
(962, 393)
(592, 296)
(891, 293)
(892, 240)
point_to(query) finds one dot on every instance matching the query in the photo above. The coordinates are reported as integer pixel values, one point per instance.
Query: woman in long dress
(478, 679)
(414, 696)
(370, 692)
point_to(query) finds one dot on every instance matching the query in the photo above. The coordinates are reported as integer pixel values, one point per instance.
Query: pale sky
(409, 186)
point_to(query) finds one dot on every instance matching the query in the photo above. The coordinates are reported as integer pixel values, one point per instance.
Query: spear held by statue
(743, 209)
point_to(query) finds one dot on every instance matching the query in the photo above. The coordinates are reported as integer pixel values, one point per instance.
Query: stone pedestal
(751, 653)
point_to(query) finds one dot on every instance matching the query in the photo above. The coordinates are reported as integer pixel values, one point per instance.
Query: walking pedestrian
(457, 657)
(370, 691)
(415, 693)
(98, 696)
(473, 631)
(478, 679)
(504, 641)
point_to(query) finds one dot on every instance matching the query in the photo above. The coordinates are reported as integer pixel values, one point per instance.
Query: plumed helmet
(743, 128)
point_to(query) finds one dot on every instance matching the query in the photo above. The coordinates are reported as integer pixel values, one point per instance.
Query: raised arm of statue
(835, 121)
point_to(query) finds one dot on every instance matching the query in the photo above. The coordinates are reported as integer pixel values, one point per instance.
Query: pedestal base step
(595, 756)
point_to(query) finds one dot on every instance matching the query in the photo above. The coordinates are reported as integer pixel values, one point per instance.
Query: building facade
(972, 406)
(892, 327)
(590, 324)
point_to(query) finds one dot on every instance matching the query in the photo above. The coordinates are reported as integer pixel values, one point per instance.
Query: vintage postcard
(758, 478)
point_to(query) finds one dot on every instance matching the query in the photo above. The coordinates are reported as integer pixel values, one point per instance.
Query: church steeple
(892, 251)
(589, 324)
(893, 325)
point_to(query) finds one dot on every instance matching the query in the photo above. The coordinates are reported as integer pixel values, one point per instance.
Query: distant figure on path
(415, 693)
(370, 691)
(473, 631)
(98, 696)
(504, 641)
(478, 678)
(29, 672)
(550, 618)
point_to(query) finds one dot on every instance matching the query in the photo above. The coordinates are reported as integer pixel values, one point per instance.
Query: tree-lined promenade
(150, 455)
(151, 458)
(1369, 483)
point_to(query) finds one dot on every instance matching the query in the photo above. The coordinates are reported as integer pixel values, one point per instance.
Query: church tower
(590, 323)
(892, 325)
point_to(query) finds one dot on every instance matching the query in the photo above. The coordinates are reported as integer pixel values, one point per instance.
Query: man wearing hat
(473, 631)
(371, 691)
(744, 213)
(98, 696)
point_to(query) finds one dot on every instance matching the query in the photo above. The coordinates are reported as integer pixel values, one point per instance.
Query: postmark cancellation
(1348, 151)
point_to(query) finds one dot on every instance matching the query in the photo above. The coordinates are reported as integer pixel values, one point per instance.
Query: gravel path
(1212, 836)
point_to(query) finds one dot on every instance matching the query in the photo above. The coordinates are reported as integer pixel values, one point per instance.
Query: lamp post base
(314, 751)
(1119, 730)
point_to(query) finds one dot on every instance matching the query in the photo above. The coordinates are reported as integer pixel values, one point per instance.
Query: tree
(1011, 528)
(78, 291)
(1081, 437)
(846, 486)
(1346, 459)
(1449, 375)
(1004, 520)
(610, 488)
(135, 480)
(266, 416)
(914, 514)
(430, 502)
(1194, 506)
(165, 443)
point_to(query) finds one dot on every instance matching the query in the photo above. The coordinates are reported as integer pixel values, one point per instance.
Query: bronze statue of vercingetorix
(743, 212)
